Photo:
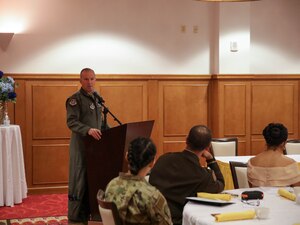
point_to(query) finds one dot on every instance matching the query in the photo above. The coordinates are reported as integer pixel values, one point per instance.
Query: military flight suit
(138, 201)
(83, 113)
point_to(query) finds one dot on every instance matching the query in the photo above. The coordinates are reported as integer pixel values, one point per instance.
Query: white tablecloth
(282, 210)
(245, 159)
(13, 187)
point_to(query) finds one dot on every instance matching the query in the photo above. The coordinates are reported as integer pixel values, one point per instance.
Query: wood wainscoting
(231, 105)
(242, 105)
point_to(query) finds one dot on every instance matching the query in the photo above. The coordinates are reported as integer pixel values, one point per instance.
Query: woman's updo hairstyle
(141, 152)
(275, 134)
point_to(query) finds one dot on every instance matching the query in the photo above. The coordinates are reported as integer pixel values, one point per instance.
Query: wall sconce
(5, 39)
(233, 46)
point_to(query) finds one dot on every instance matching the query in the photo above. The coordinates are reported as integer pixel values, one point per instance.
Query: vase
(4, 119)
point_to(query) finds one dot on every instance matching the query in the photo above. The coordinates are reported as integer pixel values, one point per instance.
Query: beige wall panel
(20, 107)
(234, 110)
(230, 110)
(214, 108)
(258, 146)
(126, 100)
(184, 105)
(173, 146)
(274, 102)
(50, 164)
(49, 110)
(153, 111)
(242, 148)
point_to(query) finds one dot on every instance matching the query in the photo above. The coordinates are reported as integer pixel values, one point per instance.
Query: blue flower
(12, 95)
(7, 89)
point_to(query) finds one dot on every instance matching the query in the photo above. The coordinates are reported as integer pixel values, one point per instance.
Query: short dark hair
(275, 134)
(141, 152)
(199, 137)
(86, 70)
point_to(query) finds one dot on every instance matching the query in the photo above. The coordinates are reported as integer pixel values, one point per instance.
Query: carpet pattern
(33, 206)
(52, 220)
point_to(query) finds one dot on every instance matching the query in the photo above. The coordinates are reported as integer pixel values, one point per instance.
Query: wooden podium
(106, 157)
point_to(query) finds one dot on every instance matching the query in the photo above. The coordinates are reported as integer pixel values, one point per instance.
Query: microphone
(100, 99)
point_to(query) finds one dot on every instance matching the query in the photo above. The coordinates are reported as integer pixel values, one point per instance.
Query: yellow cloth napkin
(244, 215)
(284, 193)
(224, 197)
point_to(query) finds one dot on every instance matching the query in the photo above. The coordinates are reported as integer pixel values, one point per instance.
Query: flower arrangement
(7, 89)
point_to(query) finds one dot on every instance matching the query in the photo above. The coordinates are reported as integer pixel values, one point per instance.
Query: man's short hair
(86, 70)
(199, 138)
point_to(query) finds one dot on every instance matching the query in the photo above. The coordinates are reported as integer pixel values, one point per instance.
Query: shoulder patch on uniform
(73, 102)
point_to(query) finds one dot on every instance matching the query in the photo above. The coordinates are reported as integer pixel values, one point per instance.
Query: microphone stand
(105, 111)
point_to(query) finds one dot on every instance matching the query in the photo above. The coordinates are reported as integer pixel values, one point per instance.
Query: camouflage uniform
(138, 201)
(83, 113)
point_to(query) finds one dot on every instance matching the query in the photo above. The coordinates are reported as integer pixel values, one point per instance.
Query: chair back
(239, 174)
(292, 147)
(108, 210)
(224, 146)
(147, 178)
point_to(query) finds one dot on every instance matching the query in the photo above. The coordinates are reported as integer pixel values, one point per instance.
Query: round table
(13, 187)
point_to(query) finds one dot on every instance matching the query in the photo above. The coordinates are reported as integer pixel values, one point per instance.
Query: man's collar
(86, 94)
(192, 152)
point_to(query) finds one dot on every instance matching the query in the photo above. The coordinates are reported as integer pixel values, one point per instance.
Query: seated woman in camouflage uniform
(138, 201)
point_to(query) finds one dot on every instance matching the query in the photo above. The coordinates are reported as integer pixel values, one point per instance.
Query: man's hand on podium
(95, 133)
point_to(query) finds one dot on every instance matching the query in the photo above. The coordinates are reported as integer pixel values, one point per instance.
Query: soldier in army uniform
(138, 201)
(84, 117)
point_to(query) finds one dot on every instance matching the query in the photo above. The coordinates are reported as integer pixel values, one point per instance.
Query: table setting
(261, 205)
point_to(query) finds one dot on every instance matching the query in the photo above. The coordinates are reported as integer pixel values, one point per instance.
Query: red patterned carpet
(37, 206)
(52, 220)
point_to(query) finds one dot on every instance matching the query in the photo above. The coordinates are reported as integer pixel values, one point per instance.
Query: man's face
(88, 80)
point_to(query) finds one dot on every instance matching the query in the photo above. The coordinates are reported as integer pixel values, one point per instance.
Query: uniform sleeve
(73, 116)
(160, 212)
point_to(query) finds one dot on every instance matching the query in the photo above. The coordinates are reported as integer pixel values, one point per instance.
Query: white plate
(210, 201)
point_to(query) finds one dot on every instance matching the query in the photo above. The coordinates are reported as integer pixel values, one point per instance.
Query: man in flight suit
(83, 118)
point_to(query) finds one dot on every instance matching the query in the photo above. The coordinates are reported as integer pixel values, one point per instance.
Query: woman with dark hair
(271, 167)
(138, 201)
